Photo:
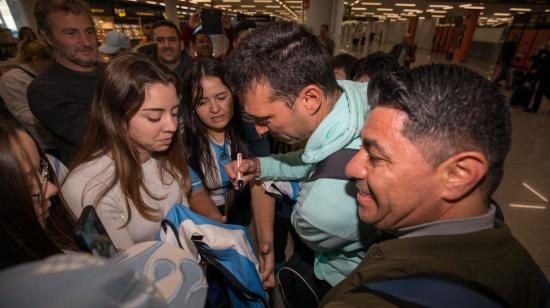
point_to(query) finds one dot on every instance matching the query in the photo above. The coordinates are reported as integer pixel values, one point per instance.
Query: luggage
(522, 96)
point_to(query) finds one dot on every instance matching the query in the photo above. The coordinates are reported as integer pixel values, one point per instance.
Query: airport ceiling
(491, 10)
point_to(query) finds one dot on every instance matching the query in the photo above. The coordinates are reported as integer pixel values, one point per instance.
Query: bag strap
(33, 75)
(334, 166)
(205, 253)
(430, 292)
(165, 224)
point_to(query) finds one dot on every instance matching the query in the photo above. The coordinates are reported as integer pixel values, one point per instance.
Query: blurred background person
(33, 57)
(114, 44)
(326, 41)
(405, 52)
(342, 66)
(26, 33)
(170, 48)
(373, 65)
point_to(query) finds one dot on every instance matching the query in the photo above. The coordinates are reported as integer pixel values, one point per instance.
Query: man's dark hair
(165, 23)
(450, 109)
(378, 63)
(44, 8)
(285, 56)
(244, 25)
(196, 33)
(344, 61)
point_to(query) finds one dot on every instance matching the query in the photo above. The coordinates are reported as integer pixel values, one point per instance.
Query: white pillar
(172, 12)
(336, 22)
(328, 12)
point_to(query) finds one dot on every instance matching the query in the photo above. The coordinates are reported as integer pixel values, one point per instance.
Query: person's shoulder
(49, 80)
(98, 169)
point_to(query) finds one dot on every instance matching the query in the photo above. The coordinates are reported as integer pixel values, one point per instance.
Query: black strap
(334, 166)
(165, 224)
(33, 75)
(431, 292)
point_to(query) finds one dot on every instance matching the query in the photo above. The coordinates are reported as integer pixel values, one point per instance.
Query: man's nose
(261, 129)
(356, 167)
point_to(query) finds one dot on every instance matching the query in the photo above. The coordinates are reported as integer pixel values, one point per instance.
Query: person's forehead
(383, 122)
(203, 37)
(164, 31)
(160, 94)
(60, 19)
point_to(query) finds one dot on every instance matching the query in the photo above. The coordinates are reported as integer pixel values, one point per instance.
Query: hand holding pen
(242, 171)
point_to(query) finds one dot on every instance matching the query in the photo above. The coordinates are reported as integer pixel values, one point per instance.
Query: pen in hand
(239, 173)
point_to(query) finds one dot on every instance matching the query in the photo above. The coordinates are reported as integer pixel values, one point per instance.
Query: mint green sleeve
(287, 166)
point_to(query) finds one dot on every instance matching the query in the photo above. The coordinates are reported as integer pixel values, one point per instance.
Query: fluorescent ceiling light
(384, 9)
(405, 4)
(422, 17)
(441, 6)
(412, 11)
(520, 9)
(359, 8)
(502, 14)
(223, 5)
(231, 1)
(435, 11)
(262, 1)
(471, 7)
(371, 3)
(272, 6)
(438, 16)
(151, 2)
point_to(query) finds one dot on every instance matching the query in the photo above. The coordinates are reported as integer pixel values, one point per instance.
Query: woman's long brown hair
(119, 95)
(22, 237)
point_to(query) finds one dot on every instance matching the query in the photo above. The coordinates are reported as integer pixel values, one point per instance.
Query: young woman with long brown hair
(130, 166)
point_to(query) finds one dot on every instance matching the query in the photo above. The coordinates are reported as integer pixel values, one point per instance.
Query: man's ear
(311, 98)
(462, 173)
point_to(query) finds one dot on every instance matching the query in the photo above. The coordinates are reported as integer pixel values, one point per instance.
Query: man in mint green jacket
(285, 81)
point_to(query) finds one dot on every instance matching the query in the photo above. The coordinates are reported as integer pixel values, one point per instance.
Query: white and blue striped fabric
(229, 245)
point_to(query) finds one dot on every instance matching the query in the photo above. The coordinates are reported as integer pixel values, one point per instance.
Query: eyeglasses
(43, 176)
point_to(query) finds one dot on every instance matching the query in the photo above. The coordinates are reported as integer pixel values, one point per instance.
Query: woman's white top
(87, 181)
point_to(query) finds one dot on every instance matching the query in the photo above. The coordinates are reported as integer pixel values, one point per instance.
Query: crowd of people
(391, 178)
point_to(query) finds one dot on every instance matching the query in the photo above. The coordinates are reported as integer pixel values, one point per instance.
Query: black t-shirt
(61, 100)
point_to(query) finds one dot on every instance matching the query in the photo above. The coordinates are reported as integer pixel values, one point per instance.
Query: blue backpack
(227, 248)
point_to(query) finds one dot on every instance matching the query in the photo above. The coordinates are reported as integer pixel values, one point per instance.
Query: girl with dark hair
(212, 134)
(34, 220)
(129, 165)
